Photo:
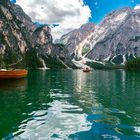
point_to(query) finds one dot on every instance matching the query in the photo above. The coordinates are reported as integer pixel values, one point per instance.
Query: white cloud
(137, 7)
(69, 14)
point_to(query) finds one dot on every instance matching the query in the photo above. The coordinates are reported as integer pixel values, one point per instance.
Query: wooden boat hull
(86, 70)
(13, 74)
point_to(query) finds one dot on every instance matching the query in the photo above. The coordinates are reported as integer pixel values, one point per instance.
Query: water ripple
(72, 105)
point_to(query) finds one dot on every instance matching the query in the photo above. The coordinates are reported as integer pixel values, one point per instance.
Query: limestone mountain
(117, 38)
(22, 43)
(14, 36)
(114, 41)
(77, 41)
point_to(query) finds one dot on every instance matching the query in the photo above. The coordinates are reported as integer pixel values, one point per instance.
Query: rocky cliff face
(45, 52)
(77, 42)
(117, 39)
(114, 41)
(14, 37)
(22, 44)
(42, 39)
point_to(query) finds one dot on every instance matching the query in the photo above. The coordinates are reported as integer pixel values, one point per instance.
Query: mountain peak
(74, 39)
(117, 38)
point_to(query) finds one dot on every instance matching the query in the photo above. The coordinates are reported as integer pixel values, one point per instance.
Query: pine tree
(4, 2)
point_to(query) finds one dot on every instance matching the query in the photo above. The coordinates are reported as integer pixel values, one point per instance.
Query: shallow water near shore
(71, 105)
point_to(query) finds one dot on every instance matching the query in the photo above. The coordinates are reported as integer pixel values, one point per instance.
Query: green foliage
(60, 45)
(31, 59)
(133, 64)
(108, 66)
(2, 41)
(118, 60)
(2, 65)
(10, 56)
(4, 2)
(53, 62)
(85, 50)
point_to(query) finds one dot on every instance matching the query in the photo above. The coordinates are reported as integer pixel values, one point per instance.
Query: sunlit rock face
(14, 37)
(117, 38)
(24, 18)
(47, 54)
(77, 42)
(22, 43)
(42, 38)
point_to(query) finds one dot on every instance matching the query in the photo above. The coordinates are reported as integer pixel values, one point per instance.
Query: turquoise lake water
(71, 105)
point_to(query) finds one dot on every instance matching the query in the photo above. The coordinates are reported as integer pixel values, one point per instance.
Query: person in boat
(86, 69)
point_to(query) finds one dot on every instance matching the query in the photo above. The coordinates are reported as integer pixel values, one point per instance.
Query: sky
(100, 8)
(71, 14)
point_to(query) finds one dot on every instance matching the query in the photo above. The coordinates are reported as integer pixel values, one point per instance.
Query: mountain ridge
(22, 43)
(115, 39)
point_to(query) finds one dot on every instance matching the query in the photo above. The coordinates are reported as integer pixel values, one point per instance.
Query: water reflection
(83, 89)
(10, 85)
(113, 113)
(70, 104)
(12, 94)
(57, 122)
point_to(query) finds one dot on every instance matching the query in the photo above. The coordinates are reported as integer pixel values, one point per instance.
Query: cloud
(137, 7)
(69, 14)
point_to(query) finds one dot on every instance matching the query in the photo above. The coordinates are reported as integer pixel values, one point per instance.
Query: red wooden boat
(13, 74)
(86, 70)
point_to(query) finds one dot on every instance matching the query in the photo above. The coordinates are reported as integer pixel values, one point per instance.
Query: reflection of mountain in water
(83, 90)
(117, 104)
(67, 103)
(63, 115)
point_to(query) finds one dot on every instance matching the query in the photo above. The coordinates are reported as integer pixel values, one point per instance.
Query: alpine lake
(71, 105)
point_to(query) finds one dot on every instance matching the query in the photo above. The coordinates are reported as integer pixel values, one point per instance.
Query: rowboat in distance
(86, 70)
(13, 73)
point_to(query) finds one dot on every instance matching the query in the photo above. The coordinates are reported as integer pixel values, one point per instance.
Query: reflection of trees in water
(64, 111)
(18, 100)
(83, 90)
(118, 89)
(118, 92)
(11, 85)
(100, 94)
(12, 95)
